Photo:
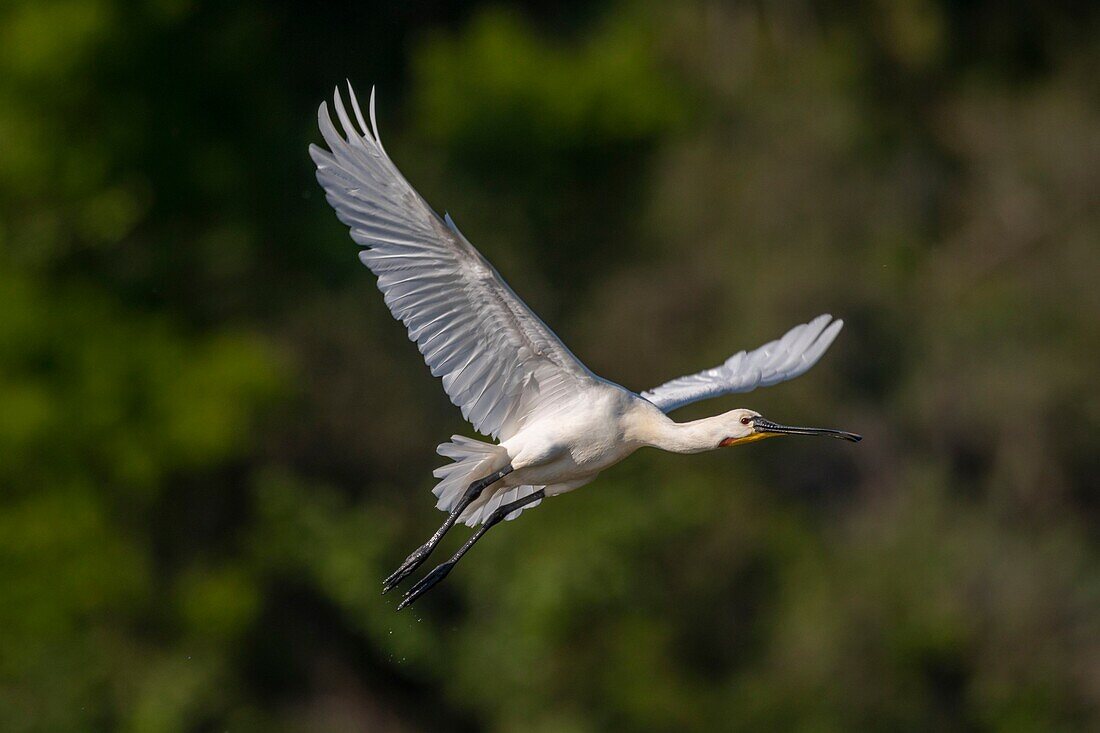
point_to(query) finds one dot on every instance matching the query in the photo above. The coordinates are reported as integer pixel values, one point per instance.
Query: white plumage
(774, 362)
(557, 423)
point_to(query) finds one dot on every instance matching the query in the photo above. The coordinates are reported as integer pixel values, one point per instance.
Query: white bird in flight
(557, 425)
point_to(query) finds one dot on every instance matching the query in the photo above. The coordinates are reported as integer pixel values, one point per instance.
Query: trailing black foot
(426, 583)
(412, 562)
(433, 578)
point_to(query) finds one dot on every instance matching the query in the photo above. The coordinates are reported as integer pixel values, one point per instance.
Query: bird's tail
(472, 460)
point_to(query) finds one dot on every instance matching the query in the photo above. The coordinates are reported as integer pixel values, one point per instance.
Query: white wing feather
(499, 363)
(774, 362)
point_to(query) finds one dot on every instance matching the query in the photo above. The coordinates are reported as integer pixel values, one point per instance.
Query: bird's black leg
(426, 583)
(420, 554)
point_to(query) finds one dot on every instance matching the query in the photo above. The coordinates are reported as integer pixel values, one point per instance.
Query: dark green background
(215, 442)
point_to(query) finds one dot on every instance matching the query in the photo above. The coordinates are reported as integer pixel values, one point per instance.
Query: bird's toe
(425, 584)
(412, 562)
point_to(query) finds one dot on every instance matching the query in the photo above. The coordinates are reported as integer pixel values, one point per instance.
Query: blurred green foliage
(214, 440)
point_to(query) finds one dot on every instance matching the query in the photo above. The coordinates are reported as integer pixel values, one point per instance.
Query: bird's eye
(745, 421)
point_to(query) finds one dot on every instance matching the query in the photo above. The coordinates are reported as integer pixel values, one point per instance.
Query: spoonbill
(556, 424)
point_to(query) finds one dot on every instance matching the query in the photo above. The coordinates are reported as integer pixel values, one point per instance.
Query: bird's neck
(695, 436)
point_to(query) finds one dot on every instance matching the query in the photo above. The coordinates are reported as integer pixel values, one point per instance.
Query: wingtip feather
(356, 109)
(374, 121)
(350, 133)
(817, 349)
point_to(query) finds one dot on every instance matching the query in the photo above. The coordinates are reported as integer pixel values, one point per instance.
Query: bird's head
(746, 426)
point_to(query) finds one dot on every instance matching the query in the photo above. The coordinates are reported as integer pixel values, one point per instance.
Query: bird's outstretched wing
(774, 362)
(499, 363)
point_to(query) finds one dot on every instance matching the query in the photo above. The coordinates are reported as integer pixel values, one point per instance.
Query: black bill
(762, 425)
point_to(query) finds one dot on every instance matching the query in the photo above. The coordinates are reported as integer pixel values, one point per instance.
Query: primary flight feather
(557, 424)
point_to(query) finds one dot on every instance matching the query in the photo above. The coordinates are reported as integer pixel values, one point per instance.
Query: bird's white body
(558, 424)
(606, 424)
(567, 451)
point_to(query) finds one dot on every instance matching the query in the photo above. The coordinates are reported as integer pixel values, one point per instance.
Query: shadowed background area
(215, 442)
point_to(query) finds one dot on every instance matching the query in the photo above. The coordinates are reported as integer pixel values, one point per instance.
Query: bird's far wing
(774, 362)
(499, 362)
